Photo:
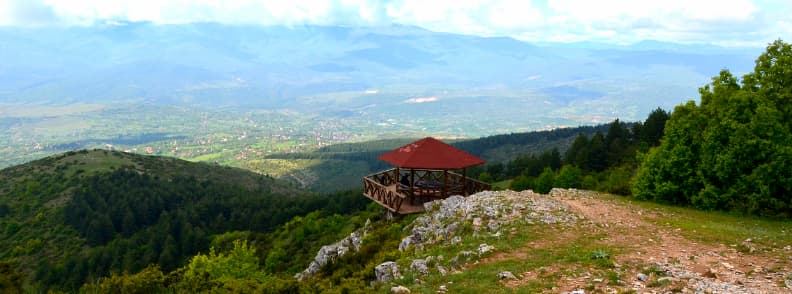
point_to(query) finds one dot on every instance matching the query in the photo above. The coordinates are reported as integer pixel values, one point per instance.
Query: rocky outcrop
(333, 251)
(484, 212)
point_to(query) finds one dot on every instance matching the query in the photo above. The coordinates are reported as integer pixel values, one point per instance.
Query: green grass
(720, 227)
(548, 260)
(502, 185)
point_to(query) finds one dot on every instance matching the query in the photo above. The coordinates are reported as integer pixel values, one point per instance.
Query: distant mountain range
(341, 69)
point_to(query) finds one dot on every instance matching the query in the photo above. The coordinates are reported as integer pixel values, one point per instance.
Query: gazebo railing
(425, 185)
(374, 188)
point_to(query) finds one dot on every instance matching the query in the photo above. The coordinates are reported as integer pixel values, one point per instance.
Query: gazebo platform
(429, 185)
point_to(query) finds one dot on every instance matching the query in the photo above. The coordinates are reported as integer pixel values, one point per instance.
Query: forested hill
(78, 216)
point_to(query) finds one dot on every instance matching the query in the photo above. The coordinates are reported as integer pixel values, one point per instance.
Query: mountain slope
(74, 217)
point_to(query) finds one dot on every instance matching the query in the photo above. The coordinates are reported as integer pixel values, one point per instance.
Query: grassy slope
(589, 254)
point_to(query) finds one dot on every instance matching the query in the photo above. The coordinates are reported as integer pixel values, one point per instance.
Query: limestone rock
(331, 252)
(506, 275)
(484, 249)
(419, 266)
(387, 271)
(442, 270)
(642, 277)
(399, 290)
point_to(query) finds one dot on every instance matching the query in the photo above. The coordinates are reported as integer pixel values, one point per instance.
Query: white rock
(443, 271)
(642, 277)
(387, 271)
(419, 266)
(399, 290)
(484, 249)
(506, 275)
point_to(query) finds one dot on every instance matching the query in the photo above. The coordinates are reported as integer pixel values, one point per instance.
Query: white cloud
(615, 21)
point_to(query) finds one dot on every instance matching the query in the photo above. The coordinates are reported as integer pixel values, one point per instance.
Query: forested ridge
(77, 217)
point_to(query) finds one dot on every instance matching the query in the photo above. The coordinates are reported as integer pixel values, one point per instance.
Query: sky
(721, 22)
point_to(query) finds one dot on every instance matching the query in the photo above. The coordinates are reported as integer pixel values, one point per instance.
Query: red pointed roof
(430, 153)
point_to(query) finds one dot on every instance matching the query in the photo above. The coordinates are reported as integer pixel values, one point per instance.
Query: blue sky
(722, 22)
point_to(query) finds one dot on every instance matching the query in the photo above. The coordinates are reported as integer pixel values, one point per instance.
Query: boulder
(419, 266)
(387, 271)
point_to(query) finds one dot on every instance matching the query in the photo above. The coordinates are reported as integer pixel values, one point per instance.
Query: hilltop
(506, 241)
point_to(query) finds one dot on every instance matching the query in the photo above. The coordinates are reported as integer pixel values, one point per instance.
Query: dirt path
(674, 263)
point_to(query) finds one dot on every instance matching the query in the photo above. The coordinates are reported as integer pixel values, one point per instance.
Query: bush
(569, 176)
(521, 183)
(544, 183)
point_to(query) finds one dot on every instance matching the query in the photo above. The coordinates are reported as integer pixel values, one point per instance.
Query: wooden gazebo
(424, 171)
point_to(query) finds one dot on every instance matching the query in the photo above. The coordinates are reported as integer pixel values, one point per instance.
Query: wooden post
(464, 181)
(444, 191)
(396, 177)
(412, 183)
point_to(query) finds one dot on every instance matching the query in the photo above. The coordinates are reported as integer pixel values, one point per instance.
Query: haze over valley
(194, 90)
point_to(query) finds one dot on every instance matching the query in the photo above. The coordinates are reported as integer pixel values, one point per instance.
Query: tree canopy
(733, 151)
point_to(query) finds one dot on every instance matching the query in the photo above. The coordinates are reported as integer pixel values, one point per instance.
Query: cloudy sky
(723, 22)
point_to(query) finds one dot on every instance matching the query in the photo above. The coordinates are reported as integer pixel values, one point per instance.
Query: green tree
(653, 127)
(521, 183)
(545, 181)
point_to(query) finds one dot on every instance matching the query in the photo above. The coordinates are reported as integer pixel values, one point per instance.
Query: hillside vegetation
(75, 217)
(509, 242)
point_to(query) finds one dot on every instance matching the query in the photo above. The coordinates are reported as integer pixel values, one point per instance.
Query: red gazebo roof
(430, 153)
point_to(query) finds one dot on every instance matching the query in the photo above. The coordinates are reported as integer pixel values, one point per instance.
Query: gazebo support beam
(464, 182)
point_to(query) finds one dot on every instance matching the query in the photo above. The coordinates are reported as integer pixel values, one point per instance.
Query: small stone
(456, 240)
(476, 223)
(399, 290)
(578, 292)
(484, 249)
(419, 282)
(406, 242)
(642, 277)
(506, 275)
(727, 265)
(493, 225)
(443, 288)
(443, 271)
(597, 280)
